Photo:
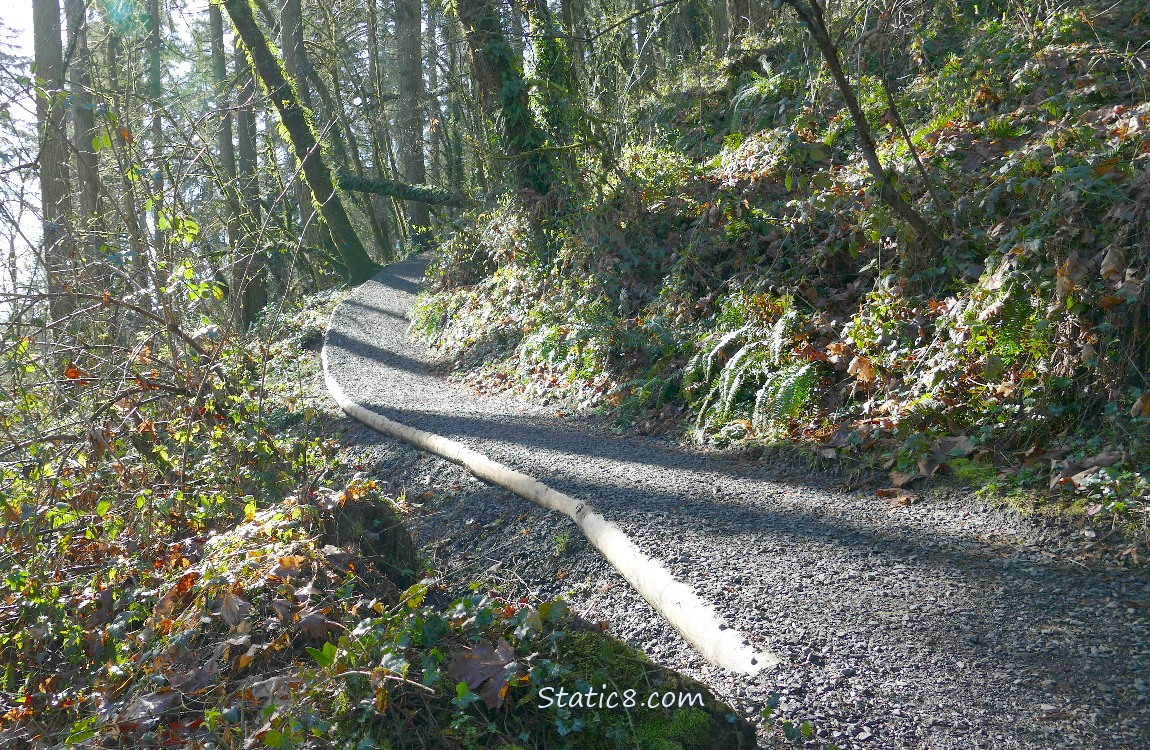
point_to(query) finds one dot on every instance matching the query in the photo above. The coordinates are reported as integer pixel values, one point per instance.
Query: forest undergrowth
(191, 559)
(737, 278)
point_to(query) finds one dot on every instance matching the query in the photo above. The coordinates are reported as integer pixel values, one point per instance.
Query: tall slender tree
(358, 265)
(810, 12)
(83, 115)
(155, 96)
(226, 137)
(296, 67)
(411, 119)
(248, 277)
(434, 111)
(55, 202)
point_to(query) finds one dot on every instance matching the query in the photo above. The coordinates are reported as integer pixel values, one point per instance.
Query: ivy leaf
(325, 656)
(463, 696)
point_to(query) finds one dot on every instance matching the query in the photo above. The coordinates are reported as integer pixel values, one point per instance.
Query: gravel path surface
(939, 625)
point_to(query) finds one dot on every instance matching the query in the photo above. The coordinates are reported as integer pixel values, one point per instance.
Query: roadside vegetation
(737, 276)
(187, 562)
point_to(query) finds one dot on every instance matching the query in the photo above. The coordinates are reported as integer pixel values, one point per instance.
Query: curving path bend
(940, 625)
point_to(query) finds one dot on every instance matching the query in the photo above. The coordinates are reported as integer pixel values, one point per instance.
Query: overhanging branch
(401, 190)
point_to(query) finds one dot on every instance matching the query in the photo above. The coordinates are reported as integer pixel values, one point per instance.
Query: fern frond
(784, 395)
(778, 335)
(699, 368)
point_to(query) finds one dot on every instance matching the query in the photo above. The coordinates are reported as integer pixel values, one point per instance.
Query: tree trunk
(812, 17)
(574, 39)
(248, 277)
(454, 165)
(226, 138)
(358, 266)
(642, 41)
(434, 112)
(55, 202)
(387, 210)
(83, 120)
(155, 94)
(737, 14)
(337, 104)
(408, 51)
(503, 92)
(295, 64)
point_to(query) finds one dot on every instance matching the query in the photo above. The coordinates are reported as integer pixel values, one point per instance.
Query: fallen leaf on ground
(898, 496)
(862, 369)
(196, 681)
(318, 626)
(1034, 455)
(233, 608)
(151, 706)
(167, 605)
(485, 668)
(1141, 407)
(288, 567)
(339, 559)
(902, 478)
(959, 446)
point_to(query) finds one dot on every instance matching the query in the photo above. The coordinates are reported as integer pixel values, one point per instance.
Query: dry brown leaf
(1141, 407)
(339, 559)
(196, 681)
(288, 567)
(485, 668)
(862, 369)
(1113, 265)
(931, 465)
(1064, 279)
(960, 446)
(317, 626)
(167, 605)
(285, 610)
(1034, 455)
(149, 707)
(898, 496)
(233, 608)
(902, 478)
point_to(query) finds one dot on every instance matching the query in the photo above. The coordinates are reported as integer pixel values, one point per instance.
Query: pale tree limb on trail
(358, 265)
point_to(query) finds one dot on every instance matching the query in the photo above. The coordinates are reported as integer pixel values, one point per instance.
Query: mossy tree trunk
(358, 266)
(498, 74)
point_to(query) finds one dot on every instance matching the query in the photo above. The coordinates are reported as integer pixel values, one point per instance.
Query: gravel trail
(939, 625)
